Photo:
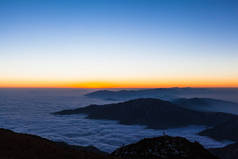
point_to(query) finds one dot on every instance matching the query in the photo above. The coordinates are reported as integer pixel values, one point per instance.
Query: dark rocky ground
(164, 147)
(23, 146)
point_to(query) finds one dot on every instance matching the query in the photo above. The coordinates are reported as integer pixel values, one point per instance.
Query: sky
(118, 43)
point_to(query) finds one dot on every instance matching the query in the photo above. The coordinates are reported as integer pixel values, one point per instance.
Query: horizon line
(235, 87)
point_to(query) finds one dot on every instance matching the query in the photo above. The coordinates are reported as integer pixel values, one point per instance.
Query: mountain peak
(164, 147)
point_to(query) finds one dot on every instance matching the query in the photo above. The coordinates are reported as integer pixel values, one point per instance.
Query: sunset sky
(118, 43)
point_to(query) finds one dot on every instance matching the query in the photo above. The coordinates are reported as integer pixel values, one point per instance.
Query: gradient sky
(118, 43)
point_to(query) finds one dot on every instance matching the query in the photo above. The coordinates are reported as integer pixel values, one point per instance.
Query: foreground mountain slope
(228, 152)
(164, 147)
(153, 113)
(22, 146)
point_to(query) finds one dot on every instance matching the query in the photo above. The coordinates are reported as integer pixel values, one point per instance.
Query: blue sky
(119, 40)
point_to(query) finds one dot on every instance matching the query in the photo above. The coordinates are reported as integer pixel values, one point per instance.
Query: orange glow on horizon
(117, 84)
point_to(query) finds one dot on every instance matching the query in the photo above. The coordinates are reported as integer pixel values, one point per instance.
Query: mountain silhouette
(227, 152)
(225, 131)
(207, 104)
(154, 113)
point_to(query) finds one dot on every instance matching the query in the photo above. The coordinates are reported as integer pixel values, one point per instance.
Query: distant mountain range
(168, 94)
(154, 113)
(161, 93)
(207, 104)
(184, 97)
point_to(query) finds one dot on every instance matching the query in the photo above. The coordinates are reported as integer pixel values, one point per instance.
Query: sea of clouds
(28, 111)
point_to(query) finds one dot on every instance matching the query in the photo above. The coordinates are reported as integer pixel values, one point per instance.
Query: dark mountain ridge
(227, 152)
(162, 93)
(169, 94)
(154, 113)
(224, 131)
(207, 104)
